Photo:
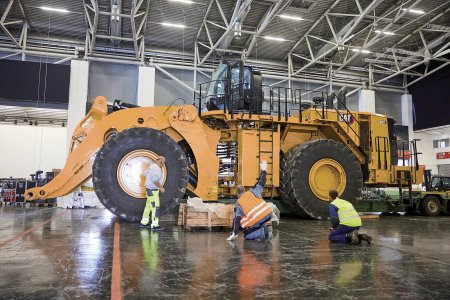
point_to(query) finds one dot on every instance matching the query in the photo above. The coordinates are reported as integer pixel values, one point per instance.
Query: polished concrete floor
(51, 253)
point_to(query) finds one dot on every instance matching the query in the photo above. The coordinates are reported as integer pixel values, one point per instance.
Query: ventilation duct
(115, 28)
(237, 26)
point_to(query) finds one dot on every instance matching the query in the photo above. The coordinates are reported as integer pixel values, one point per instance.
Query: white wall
(390, 104)
(425, 146)
(114, 81)
(25, 149)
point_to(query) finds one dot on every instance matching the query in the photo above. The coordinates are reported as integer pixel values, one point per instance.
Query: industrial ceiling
(381, 44)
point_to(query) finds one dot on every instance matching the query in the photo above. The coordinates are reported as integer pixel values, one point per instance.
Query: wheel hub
(325, 175)
(131, 169)
(432, 206)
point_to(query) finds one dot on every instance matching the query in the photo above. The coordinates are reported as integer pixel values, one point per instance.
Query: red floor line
(19, 235)
(116, 279)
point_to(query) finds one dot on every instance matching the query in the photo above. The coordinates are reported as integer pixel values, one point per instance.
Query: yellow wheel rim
(130, 172)
(325, 175)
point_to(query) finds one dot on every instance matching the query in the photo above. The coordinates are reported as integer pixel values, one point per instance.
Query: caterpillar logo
(349, 119)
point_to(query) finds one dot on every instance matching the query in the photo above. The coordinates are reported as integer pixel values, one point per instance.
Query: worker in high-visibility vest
(345, 222)
(251, 212)
(153, 186)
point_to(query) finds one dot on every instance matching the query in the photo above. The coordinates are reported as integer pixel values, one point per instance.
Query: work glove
(263, 165)
(232, 237)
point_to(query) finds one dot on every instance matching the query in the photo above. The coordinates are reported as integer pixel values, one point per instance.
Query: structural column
(146, 86)
(407, 114)
(366, 101)
(78, 93)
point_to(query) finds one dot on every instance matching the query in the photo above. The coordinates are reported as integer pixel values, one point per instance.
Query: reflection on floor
(51, 253)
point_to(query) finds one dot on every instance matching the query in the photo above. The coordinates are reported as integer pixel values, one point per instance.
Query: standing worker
(345, 222)
(251, 212)
(153, 186)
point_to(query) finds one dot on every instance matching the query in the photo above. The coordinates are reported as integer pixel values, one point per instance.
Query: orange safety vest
(255, 209)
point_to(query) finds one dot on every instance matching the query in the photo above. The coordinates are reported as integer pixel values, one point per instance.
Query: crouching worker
(345, 222)
(251, 212)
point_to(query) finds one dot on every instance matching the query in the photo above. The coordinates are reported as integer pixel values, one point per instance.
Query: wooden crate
(190, 218)
(369, 216)
(36, 204)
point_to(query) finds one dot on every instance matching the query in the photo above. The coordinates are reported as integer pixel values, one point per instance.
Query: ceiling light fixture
(272, 38)
(361, 50)
(183, 1)
(61, 10)
(173, 25)
(291, 17)
(385, 32)
(414, 11)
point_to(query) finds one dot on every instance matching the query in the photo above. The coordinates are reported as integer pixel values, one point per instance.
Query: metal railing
(283, 102)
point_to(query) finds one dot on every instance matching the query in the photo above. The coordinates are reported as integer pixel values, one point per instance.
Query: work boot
(365, 237)
(268, 230)
(157, 228)
(353, 238)
(144, 226)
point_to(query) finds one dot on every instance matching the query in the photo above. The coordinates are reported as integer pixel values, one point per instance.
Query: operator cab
(236, 88)
(440, 183)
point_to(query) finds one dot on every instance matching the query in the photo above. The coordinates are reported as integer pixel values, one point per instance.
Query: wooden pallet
(189, 218)
(369, 216)
(45, 204)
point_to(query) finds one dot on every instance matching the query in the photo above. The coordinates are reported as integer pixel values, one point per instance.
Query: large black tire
(286, 189)
(105, 166)
(295, 169)
(430, 206)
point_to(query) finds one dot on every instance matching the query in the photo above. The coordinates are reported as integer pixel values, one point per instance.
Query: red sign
(442, 155)
(404, 154)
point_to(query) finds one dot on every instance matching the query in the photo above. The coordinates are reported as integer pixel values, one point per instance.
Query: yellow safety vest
(255, 209)
(347, 213)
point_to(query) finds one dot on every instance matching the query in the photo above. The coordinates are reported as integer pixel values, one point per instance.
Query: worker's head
(160, 161)
(333, 194)
(240, 190)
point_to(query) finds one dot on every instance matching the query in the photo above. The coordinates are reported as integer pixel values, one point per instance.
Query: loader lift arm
(78, 168)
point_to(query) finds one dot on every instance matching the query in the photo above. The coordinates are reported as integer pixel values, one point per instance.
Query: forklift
(433, 200)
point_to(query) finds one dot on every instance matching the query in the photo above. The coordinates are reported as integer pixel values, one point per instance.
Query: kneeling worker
(252, 212)
(153, 186)
(345, 222)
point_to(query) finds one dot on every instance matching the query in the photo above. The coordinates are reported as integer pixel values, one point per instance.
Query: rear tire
(430, 206)
(106, 164)
(297, 173)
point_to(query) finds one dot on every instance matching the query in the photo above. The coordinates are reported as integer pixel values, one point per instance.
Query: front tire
(118, 171)
(430, 206)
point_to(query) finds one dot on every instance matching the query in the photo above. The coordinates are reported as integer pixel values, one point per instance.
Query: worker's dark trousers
(257, 231)
(339, 234)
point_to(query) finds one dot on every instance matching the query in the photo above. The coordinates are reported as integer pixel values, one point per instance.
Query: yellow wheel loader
(311, 146)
